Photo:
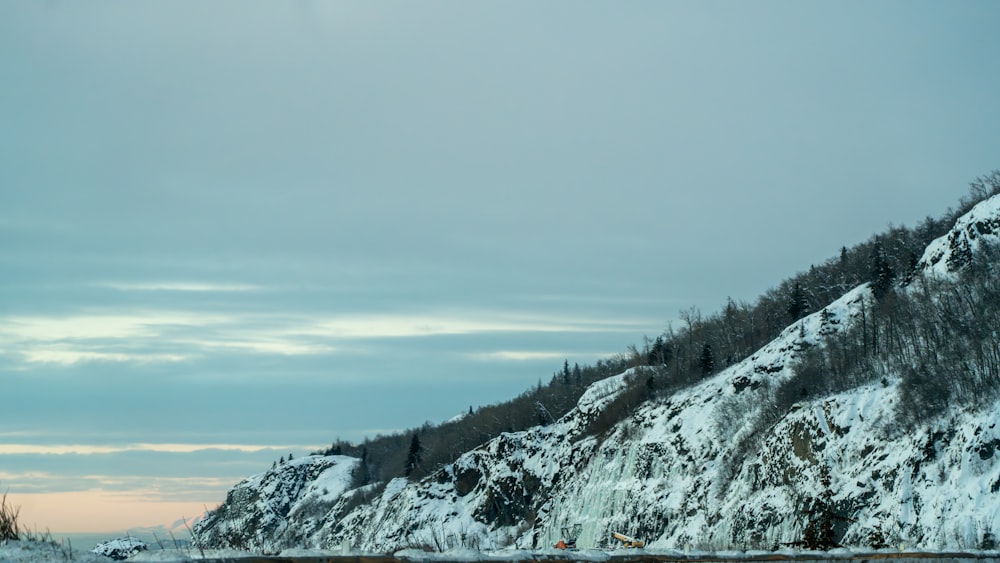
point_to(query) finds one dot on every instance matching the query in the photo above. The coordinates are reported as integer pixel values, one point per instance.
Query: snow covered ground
(48, 552)
(51, 552)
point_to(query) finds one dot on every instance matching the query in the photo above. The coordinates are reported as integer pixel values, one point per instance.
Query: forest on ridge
(937, 335)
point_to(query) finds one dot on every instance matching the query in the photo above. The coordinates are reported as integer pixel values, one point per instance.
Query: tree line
(417, 452)
(941, 338)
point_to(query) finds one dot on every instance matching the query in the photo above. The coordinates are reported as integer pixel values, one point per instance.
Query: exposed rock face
(258, 511)
(711, 466)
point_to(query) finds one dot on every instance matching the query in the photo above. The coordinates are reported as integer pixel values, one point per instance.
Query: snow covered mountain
(716, 465)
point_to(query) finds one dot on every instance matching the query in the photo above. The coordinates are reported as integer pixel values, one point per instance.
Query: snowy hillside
(278, 503)
(947, 254)
(716, 465)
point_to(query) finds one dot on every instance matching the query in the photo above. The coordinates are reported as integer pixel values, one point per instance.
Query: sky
(235, 230)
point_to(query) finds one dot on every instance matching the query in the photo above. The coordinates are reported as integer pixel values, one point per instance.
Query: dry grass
(10, 527)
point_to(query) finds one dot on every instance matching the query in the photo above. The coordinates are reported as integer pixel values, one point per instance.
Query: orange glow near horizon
(101, 511)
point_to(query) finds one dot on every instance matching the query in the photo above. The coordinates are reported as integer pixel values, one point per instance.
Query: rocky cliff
(715, 465)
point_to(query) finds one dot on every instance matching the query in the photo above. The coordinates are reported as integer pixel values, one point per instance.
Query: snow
(166, 555)
(50, 552)
(120, 548)
(45, 552)
(42, 552)
(191, 554)
(981, 223)
(694, 472)
(602, 392)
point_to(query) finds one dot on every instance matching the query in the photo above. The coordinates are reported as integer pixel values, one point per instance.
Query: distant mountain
(873, 421)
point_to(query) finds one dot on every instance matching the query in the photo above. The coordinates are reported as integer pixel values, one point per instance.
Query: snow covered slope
(949, 253)
(666, 475)
(281, 502)
(713, 466)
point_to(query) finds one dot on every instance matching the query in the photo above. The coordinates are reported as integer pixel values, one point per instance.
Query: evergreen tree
(798, 305)
(881, 274)
(413, 457)
(362, 474)
(706, 362)
(660, 353)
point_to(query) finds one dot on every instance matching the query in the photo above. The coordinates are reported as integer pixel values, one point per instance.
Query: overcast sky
(234, 230)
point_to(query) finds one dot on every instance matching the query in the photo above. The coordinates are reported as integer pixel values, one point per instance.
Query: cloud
(283, 347)
(162, 470)
(110, 325)
(154, 487)
(467, 322)
(68, 356)
(518, 355)
(179, 286)
(170, 336)
(90, 449)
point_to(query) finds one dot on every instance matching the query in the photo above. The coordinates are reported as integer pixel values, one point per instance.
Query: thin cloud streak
(267, 346)
(41, 482)
(111, 325)
(68, 357)
(180, 286)
(176, 336)
(90, 449)
(527, 355)
(402, 326)
(517, 356)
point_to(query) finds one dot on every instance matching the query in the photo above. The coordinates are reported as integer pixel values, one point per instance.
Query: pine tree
(881, 275)
(413, 457)
(798, 305)
(364, 474)
(660, 352)
(706, 362)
